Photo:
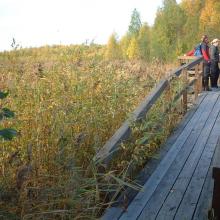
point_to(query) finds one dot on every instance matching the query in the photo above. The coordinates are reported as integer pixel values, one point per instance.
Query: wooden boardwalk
(181, 185)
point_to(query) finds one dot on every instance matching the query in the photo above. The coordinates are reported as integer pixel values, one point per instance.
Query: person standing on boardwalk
(206, 63)
(214, 56)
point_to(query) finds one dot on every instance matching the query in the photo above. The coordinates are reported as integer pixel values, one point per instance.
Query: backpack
(197, 50)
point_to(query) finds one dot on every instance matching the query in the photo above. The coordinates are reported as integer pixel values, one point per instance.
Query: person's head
(215, 42)
(205, 39)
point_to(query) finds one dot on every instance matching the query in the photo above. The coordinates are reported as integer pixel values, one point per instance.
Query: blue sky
(40, 22)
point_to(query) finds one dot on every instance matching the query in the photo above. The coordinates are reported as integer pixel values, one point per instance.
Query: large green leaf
(7, 113)
(8, 133)
(3, 94)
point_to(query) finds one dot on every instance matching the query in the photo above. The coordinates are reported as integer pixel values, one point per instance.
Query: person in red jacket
(206, 63)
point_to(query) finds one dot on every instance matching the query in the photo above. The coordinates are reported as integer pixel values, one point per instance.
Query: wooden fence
(109, 150)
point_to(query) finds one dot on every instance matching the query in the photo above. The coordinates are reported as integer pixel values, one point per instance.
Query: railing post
(184, 74)
(200, 77)
(112, 146)
(196, 85)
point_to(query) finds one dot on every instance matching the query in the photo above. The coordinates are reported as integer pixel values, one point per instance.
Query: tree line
(177, 28)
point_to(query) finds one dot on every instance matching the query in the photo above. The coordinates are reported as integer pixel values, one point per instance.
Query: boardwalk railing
(109, 150)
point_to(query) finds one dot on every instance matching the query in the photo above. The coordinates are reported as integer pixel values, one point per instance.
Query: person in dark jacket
(206, 62)
(214, 56)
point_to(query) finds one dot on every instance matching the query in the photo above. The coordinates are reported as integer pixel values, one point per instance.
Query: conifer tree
(135, 24)
(129, 43)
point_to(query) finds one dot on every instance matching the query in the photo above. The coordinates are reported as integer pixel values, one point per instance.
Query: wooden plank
(205, 199)
(191, 72)
(216, 158)
(106, 153)
(177, 192)
(196, 85)
(178, 71)
(141, 199)
(192, 194)
(200, 76)
(165, 187)
(187, 57)
(177, 96)
(146, 105)
(185, 91)
(116, 212)
(197, 61)
(171, 140)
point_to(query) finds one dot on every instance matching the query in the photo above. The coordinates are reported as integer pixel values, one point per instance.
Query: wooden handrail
(106, 153)
(196, 60)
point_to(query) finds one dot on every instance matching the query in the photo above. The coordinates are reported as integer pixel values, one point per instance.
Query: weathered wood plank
(205, 199)
(115, 212)
(178, 95)
(194, 189)
(196, 85)
(146, 105)
(106, 153)
(141, 199)
(165, 187)
(186, 57)
(185, 79)
(178, 189)
(178, 71)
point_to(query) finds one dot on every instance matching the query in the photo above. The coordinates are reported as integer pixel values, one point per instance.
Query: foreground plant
(6, 133)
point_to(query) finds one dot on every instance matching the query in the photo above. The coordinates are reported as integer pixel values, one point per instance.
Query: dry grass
(68, 101)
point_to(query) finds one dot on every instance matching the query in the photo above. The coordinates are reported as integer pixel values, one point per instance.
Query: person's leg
(213, 74)
(203, 84)
(216, 75)
(206, 72)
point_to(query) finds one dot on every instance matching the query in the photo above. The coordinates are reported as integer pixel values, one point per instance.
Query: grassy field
(68, 101)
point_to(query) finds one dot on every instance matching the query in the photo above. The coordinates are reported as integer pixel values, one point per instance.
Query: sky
(34, 23)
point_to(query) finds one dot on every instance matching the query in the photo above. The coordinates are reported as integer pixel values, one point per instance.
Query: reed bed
(68, 101)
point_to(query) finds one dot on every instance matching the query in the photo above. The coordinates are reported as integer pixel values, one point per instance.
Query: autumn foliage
(177, 29)
(69, 100)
